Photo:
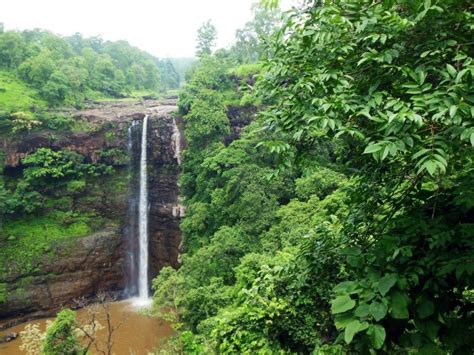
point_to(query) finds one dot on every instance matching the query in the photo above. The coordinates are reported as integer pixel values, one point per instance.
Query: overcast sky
(165, 28)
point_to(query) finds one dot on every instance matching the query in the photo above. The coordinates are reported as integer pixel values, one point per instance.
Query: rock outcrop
(79, 269)
(165, 207)
(98, 122)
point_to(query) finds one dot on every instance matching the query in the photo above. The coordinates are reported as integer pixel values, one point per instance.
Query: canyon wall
(81, 267)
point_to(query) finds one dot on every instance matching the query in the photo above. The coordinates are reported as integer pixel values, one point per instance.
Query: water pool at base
(138, 334)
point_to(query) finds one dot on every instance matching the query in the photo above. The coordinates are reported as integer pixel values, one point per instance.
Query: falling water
(143, 220)
(176, 140)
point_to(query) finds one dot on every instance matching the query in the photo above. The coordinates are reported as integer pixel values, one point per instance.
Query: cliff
(82, 266)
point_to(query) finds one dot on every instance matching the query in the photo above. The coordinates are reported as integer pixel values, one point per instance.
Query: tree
(206, 39)
(100, 309)
(60, 337)
(56, 89)
(12, 49)
(168, 75)
(76, 73)
(37, 70)
(392, 91)
(23, 122)
(250, 41)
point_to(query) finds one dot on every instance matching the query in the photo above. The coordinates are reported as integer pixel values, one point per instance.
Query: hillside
(16, 95)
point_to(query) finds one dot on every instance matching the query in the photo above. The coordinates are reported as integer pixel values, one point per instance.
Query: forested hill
(39, 68)
(341, 219)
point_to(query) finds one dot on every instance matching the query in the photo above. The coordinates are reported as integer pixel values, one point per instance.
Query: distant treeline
(67, 70)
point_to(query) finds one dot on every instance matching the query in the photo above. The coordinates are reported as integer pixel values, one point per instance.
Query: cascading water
(143, 220)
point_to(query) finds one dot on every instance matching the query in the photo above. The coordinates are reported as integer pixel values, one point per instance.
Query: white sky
(165, 28)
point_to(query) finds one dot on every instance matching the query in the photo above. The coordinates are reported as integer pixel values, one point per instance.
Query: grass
(246, 70)
(3, 293)
(29, 239)
(231, 98)
(16, 96)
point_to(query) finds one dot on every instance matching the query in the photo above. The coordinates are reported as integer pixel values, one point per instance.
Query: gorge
(118, 257)
(309, 189)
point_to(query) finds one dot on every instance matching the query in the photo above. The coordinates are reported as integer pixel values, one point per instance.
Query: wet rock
(8, 337)
(76, 270)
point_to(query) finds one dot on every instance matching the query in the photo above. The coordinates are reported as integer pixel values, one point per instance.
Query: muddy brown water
(138, 334)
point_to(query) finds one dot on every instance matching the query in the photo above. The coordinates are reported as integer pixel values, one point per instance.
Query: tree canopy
(66, 70)
(340, 219)
(206, 39)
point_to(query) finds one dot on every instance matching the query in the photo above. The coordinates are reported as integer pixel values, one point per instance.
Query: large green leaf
(353, 328)
(425, 308)
(341, 320)
(342, 304)
(362, 311)
(372, 148)
(377, 335)
(378, 310)
(386, 283)
(399, 305)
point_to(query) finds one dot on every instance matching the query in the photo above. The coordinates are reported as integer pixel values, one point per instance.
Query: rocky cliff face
(165, 142)
(78, 269)
(102, 126)
(84, 266)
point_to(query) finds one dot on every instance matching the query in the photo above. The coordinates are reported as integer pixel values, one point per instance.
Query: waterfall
(176, 140)
(143, 220)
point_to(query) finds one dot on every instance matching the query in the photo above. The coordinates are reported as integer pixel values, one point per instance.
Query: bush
(60, 337)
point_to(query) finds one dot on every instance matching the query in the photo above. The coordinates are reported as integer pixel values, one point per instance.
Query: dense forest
(341, 219)
(327, 178)
(69, 70)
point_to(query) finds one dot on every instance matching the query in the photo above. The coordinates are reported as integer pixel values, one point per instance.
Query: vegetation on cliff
(57, 196)
(341, 220)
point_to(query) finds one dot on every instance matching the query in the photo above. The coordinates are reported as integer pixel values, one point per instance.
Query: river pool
(138, 334)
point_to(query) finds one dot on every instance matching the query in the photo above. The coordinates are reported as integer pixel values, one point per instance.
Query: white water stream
(143, 296)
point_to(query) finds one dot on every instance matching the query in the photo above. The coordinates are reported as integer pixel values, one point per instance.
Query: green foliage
(403, 114)
(206, 38)
(3, 293)
(208, 120)
(237, 222)
(396, 96)
(46, 165)
(340, 221)
(60, 337)
(56, 199)
(29, 239)
(250, 40)
(17, 96)
(169, 76)
(23, 122)
(181, 65)
(324, 181)
(64, 71)
(246, 70)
